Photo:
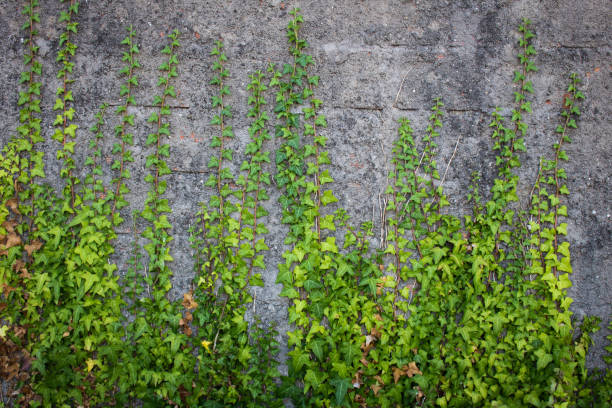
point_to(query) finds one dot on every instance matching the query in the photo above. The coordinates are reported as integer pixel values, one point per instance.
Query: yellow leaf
(90, 364)
(206, 345)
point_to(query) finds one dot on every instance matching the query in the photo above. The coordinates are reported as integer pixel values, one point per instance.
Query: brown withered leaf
(12, 240)
(420, 394)
(367, 345)
(376, 387)
(34, 246)
(397, 374)
(13, 205)
(374, 332)
(378, 317)
(9, 225)
(364, 361)
(19, 331)
(25, 274)
(6, 289)
(18, 265)
(357, 379)
(188, 302)
(411, 369)
(188, 317)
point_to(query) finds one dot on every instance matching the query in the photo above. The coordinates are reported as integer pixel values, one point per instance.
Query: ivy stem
(568, 102)
(65, 118)
(317, 173)
(122, 135)
(31, 103)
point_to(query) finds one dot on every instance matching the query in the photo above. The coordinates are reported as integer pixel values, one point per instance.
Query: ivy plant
(235, 367)
(450, 311)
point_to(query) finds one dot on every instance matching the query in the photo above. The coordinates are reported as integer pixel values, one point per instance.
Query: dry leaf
(12, 240)
(411, 369)
(12, 204)
(18, 265)
(9, 226)
(375, 332)
(188, 302)
(369, 343)
(420, 394)
(397, 373)
(25, 274)
(376, 387)
(34, 246)
(7, 289)
(357, 380)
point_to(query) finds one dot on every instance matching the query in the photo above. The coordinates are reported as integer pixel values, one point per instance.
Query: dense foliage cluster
(450, 311)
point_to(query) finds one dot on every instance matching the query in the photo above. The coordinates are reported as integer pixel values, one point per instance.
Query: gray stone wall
(378, 60)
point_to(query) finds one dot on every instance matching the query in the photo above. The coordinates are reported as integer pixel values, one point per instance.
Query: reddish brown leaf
(7, 289)
(34, 246)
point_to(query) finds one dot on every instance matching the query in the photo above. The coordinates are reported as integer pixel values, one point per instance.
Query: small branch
(394, 105)
(188, 171)
(372, 108)
(450, 161)
(152, 106)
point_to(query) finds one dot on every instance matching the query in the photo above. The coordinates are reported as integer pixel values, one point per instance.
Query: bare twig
(400, 88)
(450, 161)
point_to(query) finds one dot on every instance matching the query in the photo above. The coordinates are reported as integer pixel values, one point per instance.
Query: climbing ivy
(449, 311)
(235, 367)
(459, 312)
(20, 166)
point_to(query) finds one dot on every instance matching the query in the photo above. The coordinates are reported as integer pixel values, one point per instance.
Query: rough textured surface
(378, 61)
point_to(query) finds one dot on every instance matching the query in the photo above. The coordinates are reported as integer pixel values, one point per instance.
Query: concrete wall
(378, 60)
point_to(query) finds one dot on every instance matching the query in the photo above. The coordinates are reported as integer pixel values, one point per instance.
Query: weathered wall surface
(378, 60)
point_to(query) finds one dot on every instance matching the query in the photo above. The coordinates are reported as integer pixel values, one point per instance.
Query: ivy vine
(449, 311)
